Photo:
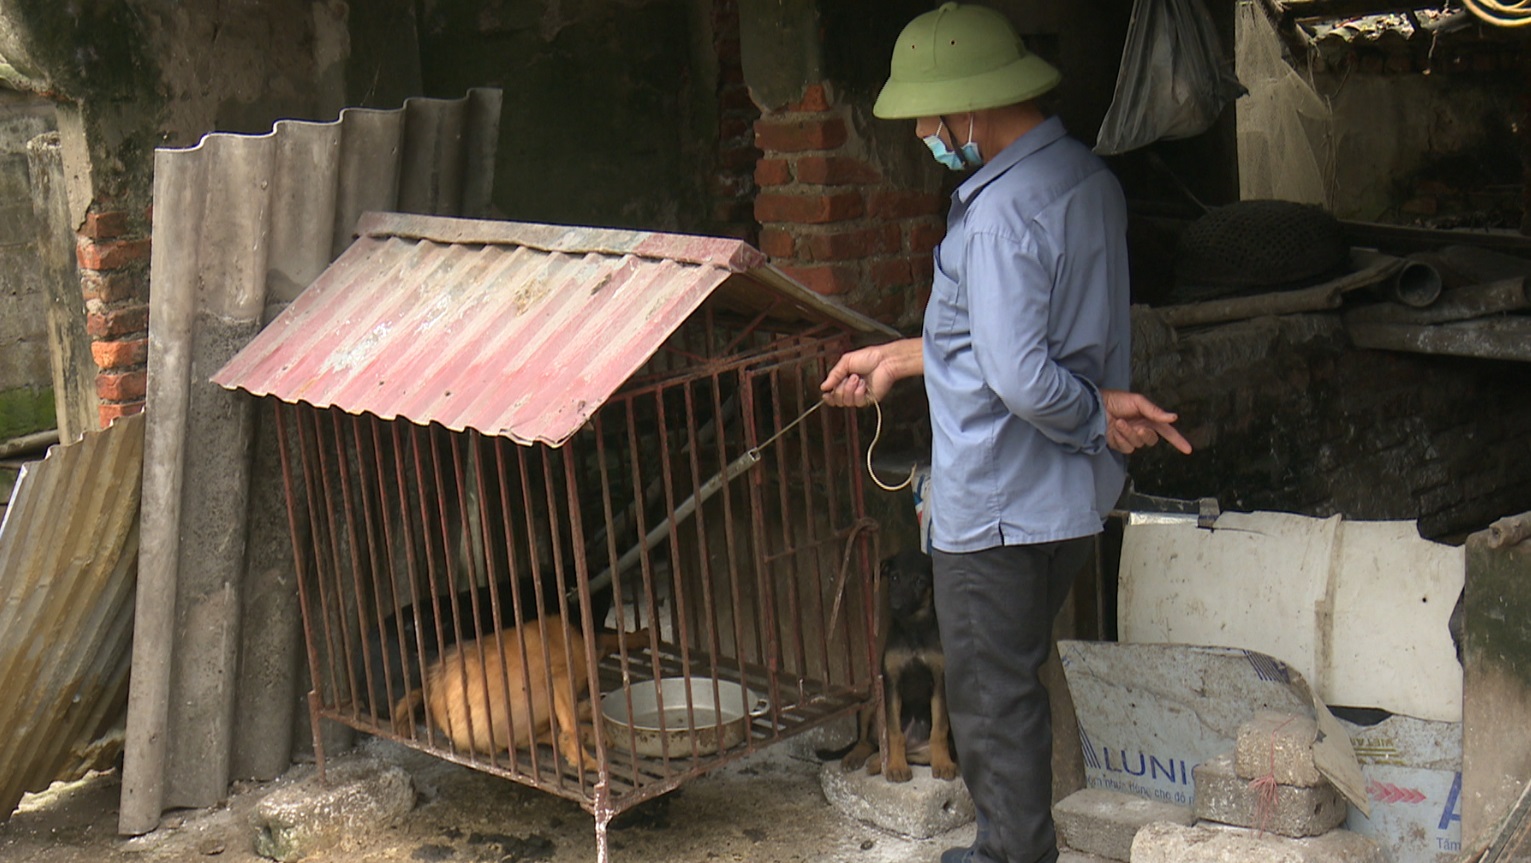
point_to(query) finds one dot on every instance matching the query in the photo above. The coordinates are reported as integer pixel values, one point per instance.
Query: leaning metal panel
(483, 601)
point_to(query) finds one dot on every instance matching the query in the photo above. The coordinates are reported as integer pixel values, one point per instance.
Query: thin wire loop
(876, 434)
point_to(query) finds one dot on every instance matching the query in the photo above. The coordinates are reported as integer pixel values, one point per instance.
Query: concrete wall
(610, 113)
(26, 381)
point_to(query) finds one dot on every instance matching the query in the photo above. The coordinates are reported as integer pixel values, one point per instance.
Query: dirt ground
(767, 808)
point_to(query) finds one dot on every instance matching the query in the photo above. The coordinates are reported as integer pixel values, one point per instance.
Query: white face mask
(967, 156)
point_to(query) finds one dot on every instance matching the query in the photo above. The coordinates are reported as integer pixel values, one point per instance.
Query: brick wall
(831, 219)
(113, 256)
(1287, 416)
(733, 183)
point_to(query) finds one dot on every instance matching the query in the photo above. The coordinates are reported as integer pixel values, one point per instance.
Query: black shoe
(970, 853)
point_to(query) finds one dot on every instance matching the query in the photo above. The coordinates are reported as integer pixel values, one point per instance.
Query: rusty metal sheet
(68, 556)
(513, 329)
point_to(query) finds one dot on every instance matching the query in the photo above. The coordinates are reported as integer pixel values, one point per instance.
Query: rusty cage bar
(690, 533)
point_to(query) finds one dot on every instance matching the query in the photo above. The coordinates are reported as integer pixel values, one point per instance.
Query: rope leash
(876, 435)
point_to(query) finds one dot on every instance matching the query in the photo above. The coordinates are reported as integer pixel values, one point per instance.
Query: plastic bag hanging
(1173, 81)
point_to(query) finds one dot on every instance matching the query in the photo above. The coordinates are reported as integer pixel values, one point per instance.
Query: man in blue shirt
(1025, 355)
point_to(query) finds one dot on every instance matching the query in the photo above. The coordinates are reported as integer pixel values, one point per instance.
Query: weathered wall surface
(1287, 416)
(132, 75)
(26, 384)
(610, 113)
(1389, 131)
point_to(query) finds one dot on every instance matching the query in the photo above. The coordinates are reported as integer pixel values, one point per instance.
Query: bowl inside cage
(675, 717)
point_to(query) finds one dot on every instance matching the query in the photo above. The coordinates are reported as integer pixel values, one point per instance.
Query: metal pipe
(680, 514)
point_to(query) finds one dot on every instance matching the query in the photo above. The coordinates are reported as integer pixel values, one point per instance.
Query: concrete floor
(768, 808)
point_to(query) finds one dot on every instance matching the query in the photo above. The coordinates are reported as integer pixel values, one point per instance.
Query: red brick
(773, 172)
(115, 323)
(777, 243)
(733, 211)
(808, 209)
(738, 158)
(118, 355)
(111, 254)
(835, 171)
(925, 236)
(923, 268)
(1425, 206)
(827, 279)
(853, 244)
(815, 98)
(736, 128)
(123, 387)
(890, 273)
(108, 413)
(112, 287)
(793, 136)
(904, 204)
(732, 185)
(737, 98)
(105, 226)
(889, 308)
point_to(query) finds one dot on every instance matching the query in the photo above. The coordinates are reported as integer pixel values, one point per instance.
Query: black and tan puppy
(913, 677)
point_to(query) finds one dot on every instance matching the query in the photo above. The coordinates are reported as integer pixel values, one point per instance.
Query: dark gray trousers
(996, 609)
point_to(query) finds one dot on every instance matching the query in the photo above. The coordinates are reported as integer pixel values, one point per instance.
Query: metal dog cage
(689, 571)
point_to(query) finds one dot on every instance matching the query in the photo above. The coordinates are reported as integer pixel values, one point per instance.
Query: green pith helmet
(961, 58)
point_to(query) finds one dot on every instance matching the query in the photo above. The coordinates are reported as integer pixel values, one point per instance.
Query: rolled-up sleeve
(1009, 299)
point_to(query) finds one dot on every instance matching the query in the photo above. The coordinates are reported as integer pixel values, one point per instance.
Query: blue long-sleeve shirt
(1028, 319)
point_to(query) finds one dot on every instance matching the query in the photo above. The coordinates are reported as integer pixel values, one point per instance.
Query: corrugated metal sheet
(242, 224)
(513, 329)
(68, 555)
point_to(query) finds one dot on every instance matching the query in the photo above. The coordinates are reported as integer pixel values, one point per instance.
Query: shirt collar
(1040, 136)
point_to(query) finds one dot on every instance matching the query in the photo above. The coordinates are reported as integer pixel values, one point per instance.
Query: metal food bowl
(716, 718)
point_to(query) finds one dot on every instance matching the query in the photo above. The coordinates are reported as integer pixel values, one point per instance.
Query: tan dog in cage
(466, 691)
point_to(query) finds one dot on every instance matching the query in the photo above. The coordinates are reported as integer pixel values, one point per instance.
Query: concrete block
(1098, 821)
(832, 735)
(922, 807)
(1203, 843)
(362, 795)
(1069, 855)
(1280, 744)
(1223, 797)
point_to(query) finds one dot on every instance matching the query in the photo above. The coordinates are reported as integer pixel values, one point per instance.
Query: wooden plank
(1406, 239)
(1306, 9)
(1462, 304)
(1499, 339)
(1496, 669)
(74, 370)
(1373, 269)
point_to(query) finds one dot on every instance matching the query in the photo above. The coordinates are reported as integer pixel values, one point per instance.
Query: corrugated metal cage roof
(514, 329)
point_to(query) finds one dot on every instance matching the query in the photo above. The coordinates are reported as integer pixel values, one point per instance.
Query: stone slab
(1069, 855)
(1174, 843)
(1224, 797)
(1098, 821)
(309, 816)
(922, 807)
(1280, 745)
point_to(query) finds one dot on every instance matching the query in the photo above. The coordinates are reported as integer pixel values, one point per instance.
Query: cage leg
(313, 718)
(602, 819)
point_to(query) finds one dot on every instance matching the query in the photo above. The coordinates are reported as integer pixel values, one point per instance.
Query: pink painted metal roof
(514, 329)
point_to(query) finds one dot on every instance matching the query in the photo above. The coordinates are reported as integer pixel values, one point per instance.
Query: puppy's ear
(886, 569)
